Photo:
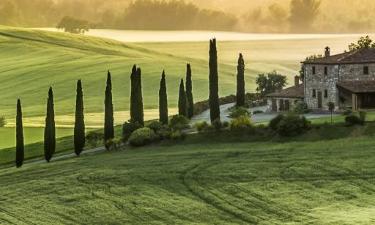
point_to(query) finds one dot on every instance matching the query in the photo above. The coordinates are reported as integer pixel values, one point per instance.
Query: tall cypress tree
(139, 105)
(182, 110)
(240, 97)
(19, 136)
(79, 126)
(189, 92)
(50, 128)
(163, 101)
(214, 83)
(108, 111)
(133, 94)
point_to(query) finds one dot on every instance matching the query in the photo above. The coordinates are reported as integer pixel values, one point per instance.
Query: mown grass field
(313, 179)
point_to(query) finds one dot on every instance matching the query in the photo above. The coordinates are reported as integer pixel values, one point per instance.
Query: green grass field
(203, 180)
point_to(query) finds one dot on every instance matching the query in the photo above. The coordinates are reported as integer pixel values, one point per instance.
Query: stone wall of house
(292, 103)
(321, 82)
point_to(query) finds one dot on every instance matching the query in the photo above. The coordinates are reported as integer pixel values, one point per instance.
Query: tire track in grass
(16, 217)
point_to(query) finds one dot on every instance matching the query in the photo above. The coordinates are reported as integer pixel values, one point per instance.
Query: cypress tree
(79, 126)
(19, 136)
(182, 111)
(189, 92)
(240, 97)
(133, 94)
(139, 105)
(108, 111)
(163, 101)
(214, 83)
(50, 129)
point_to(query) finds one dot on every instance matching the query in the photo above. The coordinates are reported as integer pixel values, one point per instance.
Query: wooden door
(320, 100)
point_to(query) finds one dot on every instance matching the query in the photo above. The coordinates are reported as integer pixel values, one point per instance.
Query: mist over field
(261, 16)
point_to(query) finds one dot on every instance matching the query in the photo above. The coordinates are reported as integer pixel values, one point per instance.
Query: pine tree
(189, 92)
(139, 105)
(240, 97)
(182, 111)
(163, 101)
(79, 126)
(108, 112)
(214, 83)
(50, 129)
(133, 94)
(19, 136)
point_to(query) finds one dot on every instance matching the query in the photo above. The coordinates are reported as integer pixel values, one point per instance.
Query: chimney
(296, 80)
(327, 52)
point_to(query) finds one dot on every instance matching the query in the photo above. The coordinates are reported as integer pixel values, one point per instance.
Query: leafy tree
(50, 129)
(19, 136)
(73, 25)
(189, 92)
(303, 14)
(108, 112)
(363, 42)
(240, 97)
(269, 83)
(79, 126)
(163, 101)
(182, 110)
(214, 83)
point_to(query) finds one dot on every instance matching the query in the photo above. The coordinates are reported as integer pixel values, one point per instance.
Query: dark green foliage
(214, 83)
(182, 111)
(163, 101)
(189, 93)
(95, 138)
(128, 128)
(217, 125)
(240, 100)
(269, 83)
(241, 124)
(301, 108)
(362, 116)
(238, 111)
(179, 122)
(155, 126)
(331, 108)
(109, 132)
(142, 136)
(79, 126)
(50, 128)
(73, 25)
(353, 119)
(201, 126)
(19, 136)
(136, 98)
(290, 125)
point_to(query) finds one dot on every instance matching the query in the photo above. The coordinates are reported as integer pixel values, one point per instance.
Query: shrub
(238, 112)
(156, 126)
(164, 133)
(201, 126)
(3, 122)
(301, 108)
(353, 119)
(128, 128)
(217, 124)
(95, 138)
(362, 116)
(241, 124)
(113, 144)
(142, 136)
(179, 122)
(226, 124)
(292, 125)
(347, 112)
(178, 135)
(274, 123)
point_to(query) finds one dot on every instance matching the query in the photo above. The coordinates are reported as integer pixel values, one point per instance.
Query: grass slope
(214, 182)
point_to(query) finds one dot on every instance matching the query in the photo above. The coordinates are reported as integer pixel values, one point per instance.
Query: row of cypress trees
(185, 106)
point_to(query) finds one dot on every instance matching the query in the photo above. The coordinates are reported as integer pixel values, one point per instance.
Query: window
(365, 70)
(325, 93)
(313, 70)
(314, 93)
(325, 70)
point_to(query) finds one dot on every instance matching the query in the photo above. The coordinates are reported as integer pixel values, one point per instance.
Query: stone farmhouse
(347, 80)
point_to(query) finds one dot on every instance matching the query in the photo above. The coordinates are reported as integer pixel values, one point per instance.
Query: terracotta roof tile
(358, 86)
(291, 92)
(366, 55)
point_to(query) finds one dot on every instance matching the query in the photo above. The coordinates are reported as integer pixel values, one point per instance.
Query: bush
(301, 108)
(3, 122)
(236, 112)
(289, 125)
(353, 119)
(95, 138)
(178, 135)
(362, 116)
(201, 126)
(226, 124)
(128, 128)
(113, 144)
(164, 133)
(156, 126)
(241, 124)
(179, 122)
(347, 112)
(217, 125)
(142, 136)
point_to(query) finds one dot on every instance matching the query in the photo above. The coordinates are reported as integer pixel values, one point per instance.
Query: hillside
(213, 182)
